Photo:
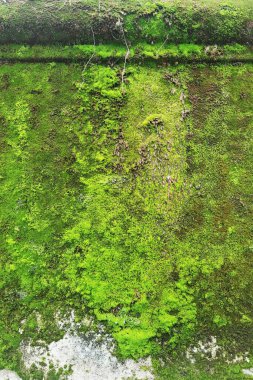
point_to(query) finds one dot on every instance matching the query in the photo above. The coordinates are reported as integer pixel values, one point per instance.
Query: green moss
(152, 28)
(126, 195)
(212, 162)
(178, 368)
(33, 145)
(143, 21)
(134, 342)
(116, 53)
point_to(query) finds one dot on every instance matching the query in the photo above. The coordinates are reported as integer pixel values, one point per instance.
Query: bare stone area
(87, 358)
(8, 375)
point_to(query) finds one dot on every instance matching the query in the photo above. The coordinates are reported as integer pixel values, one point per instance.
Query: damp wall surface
(129, 201)
(72, 22)
(126, 178)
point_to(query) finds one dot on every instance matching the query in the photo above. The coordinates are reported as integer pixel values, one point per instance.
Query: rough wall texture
(126, 184)
(112, 21)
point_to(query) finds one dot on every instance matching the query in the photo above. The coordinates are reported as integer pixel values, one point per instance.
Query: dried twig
(164, 42)
(126, 55)
(91, 57)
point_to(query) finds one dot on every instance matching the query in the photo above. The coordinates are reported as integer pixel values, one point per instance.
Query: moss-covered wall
(126, 186)
(130, 200)
(73, 22)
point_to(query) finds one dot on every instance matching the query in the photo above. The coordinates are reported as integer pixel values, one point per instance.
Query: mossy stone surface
(127, 196)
